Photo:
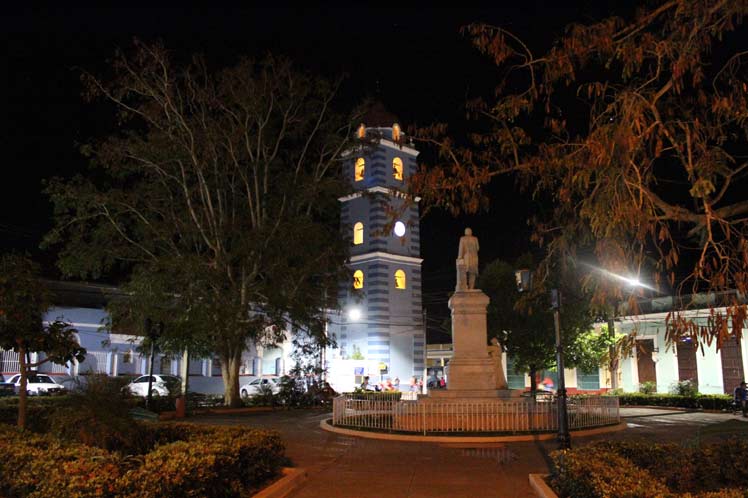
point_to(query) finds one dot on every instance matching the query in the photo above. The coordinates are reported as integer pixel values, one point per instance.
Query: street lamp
(524, 283)
(153, 331)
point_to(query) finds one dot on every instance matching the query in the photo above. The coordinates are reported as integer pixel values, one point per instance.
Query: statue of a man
(468, 253)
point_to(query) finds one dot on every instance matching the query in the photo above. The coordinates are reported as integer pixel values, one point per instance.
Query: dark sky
(413, 59)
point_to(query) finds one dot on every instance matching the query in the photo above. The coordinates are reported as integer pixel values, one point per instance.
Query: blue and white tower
(382, 315)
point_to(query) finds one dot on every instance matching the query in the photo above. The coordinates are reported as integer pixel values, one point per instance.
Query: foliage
(638, 469)
(703, 401)
(374, 395)
(640, 155)
(685, 388)
(524, 324)
(216, 198)
(356, 355)
(97, 415)
(189, 461)
(23, 302)
(648, 387)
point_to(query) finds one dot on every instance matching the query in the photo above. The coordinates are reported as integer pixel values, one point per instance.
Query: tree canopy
(634, 131)
(524, 323)
(23, 301)
(215, 198)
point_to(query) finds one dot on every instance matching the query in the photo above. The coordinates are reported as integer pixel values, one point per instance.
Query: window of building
(397, 168)
(127, 356)
(360, 167)
(361, 133)
(588, 381)
(358, 279)
(399, 279)
(358, 233)
(395, 132)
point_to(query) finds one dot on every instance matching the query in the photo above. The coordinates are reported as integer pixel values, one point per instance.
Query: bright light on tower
(399, 228)
(354, 314)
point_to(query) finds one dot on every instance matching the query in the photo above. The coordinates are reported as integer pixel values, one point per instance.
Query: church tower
(381, 311)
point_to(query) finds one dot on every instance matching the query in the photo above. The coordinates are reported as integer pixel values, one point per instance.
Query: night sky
(414, 60)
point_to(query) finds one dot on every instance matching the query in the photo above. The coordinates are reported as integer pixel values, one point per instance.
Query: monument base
(438, 395)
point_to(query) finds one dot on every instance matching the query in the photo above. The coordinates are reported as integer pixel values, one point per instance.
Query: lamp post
(153, 331)
(524, 283)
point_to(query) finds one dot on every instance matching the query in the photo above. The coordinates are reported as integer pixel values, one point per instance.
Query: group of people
(389, 385)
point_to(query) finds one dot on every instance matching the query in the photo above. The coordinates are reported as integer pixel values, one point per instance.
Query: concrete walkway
(349, 467)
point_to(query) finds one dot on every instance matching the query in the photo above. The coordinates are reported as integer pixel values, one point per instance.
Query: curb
(538, 484)
(292, 479)
(325, 426)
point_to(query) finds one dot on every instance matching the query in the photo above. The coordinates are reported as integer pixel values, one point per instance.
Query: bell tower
(382, 313)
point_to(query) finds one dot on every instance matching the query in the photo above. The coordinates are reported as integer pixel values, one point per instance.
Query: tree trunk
(22, 395)
(230, 364)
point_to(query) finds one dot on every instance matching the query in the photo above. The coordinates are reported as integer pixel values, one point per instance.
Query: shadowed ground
(341, 466)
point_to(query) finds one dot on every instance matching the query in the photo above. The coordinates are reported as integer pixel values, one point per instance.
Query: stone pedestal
(472, 372)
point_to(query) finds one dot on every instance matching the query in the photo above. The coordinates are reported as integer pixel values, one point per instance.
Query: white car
(38, 384)
(162, 385)
(257, 386)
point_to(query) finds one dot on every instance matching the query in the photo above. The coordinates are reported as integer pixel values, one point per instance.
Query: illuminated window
(397, 168)
(358, 279)
(361, 131)
(360, 167)
(395, 132)
(399, 279)
(358, 233)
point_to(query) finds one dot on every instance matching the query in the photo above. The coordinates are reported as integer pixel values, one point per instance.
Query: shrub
(685, 388)
(703, 401)
(375, 395)
(648, 387)
(190, 461)
(595, 470)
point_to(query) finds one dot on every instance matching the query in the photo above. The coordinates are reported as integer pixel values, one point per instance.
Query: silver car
(257, 386)
(162, 385)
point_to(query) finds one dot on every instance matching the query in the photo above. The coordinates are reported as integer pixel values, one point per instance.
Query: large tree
(218, 191)
(634, 130)
(524, 323)
(23, 301)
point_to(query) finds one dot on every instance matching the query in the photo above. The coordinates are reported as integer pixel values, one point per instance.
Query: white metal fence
(9, 362)
(464, 416)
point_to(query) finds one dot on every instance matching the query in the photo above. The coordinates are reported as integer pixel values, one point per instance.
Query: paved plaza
(342, 466)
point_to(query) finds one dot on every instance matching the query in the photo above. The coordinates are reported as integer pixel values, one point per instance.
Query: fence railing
(522, 415)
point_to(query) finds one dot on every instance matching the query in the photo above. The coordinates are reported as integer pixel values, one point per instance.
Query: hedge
(189, 461)
(702, 401)
(612, 469)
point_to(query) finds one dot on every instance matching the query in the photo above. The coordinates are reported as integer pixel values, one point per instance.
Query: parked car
(37, 385)
(6, 388)
(256, 386)
(162, 385)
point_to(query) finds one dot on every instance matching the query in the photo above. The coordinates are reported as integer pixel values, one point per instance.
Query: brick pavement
(350, 467)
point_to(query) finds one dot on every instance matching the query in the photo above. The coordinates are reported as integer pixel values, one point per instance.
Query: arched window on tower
(395, 132)
(358, 279)
(397, 168)
(399, 279)
(361, 133)
(360, 167)
(358, 233)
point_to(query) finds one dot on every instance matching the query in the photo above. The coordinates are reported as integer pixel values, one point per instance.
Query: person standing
(741, 398)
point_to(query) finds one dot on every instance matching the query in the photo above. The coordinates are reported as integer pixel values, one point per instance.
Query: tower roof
(377, 116)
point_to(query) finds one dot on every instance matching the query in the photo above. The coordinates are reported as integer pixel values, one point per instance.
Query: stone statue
(467, 261)
(495, 352)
